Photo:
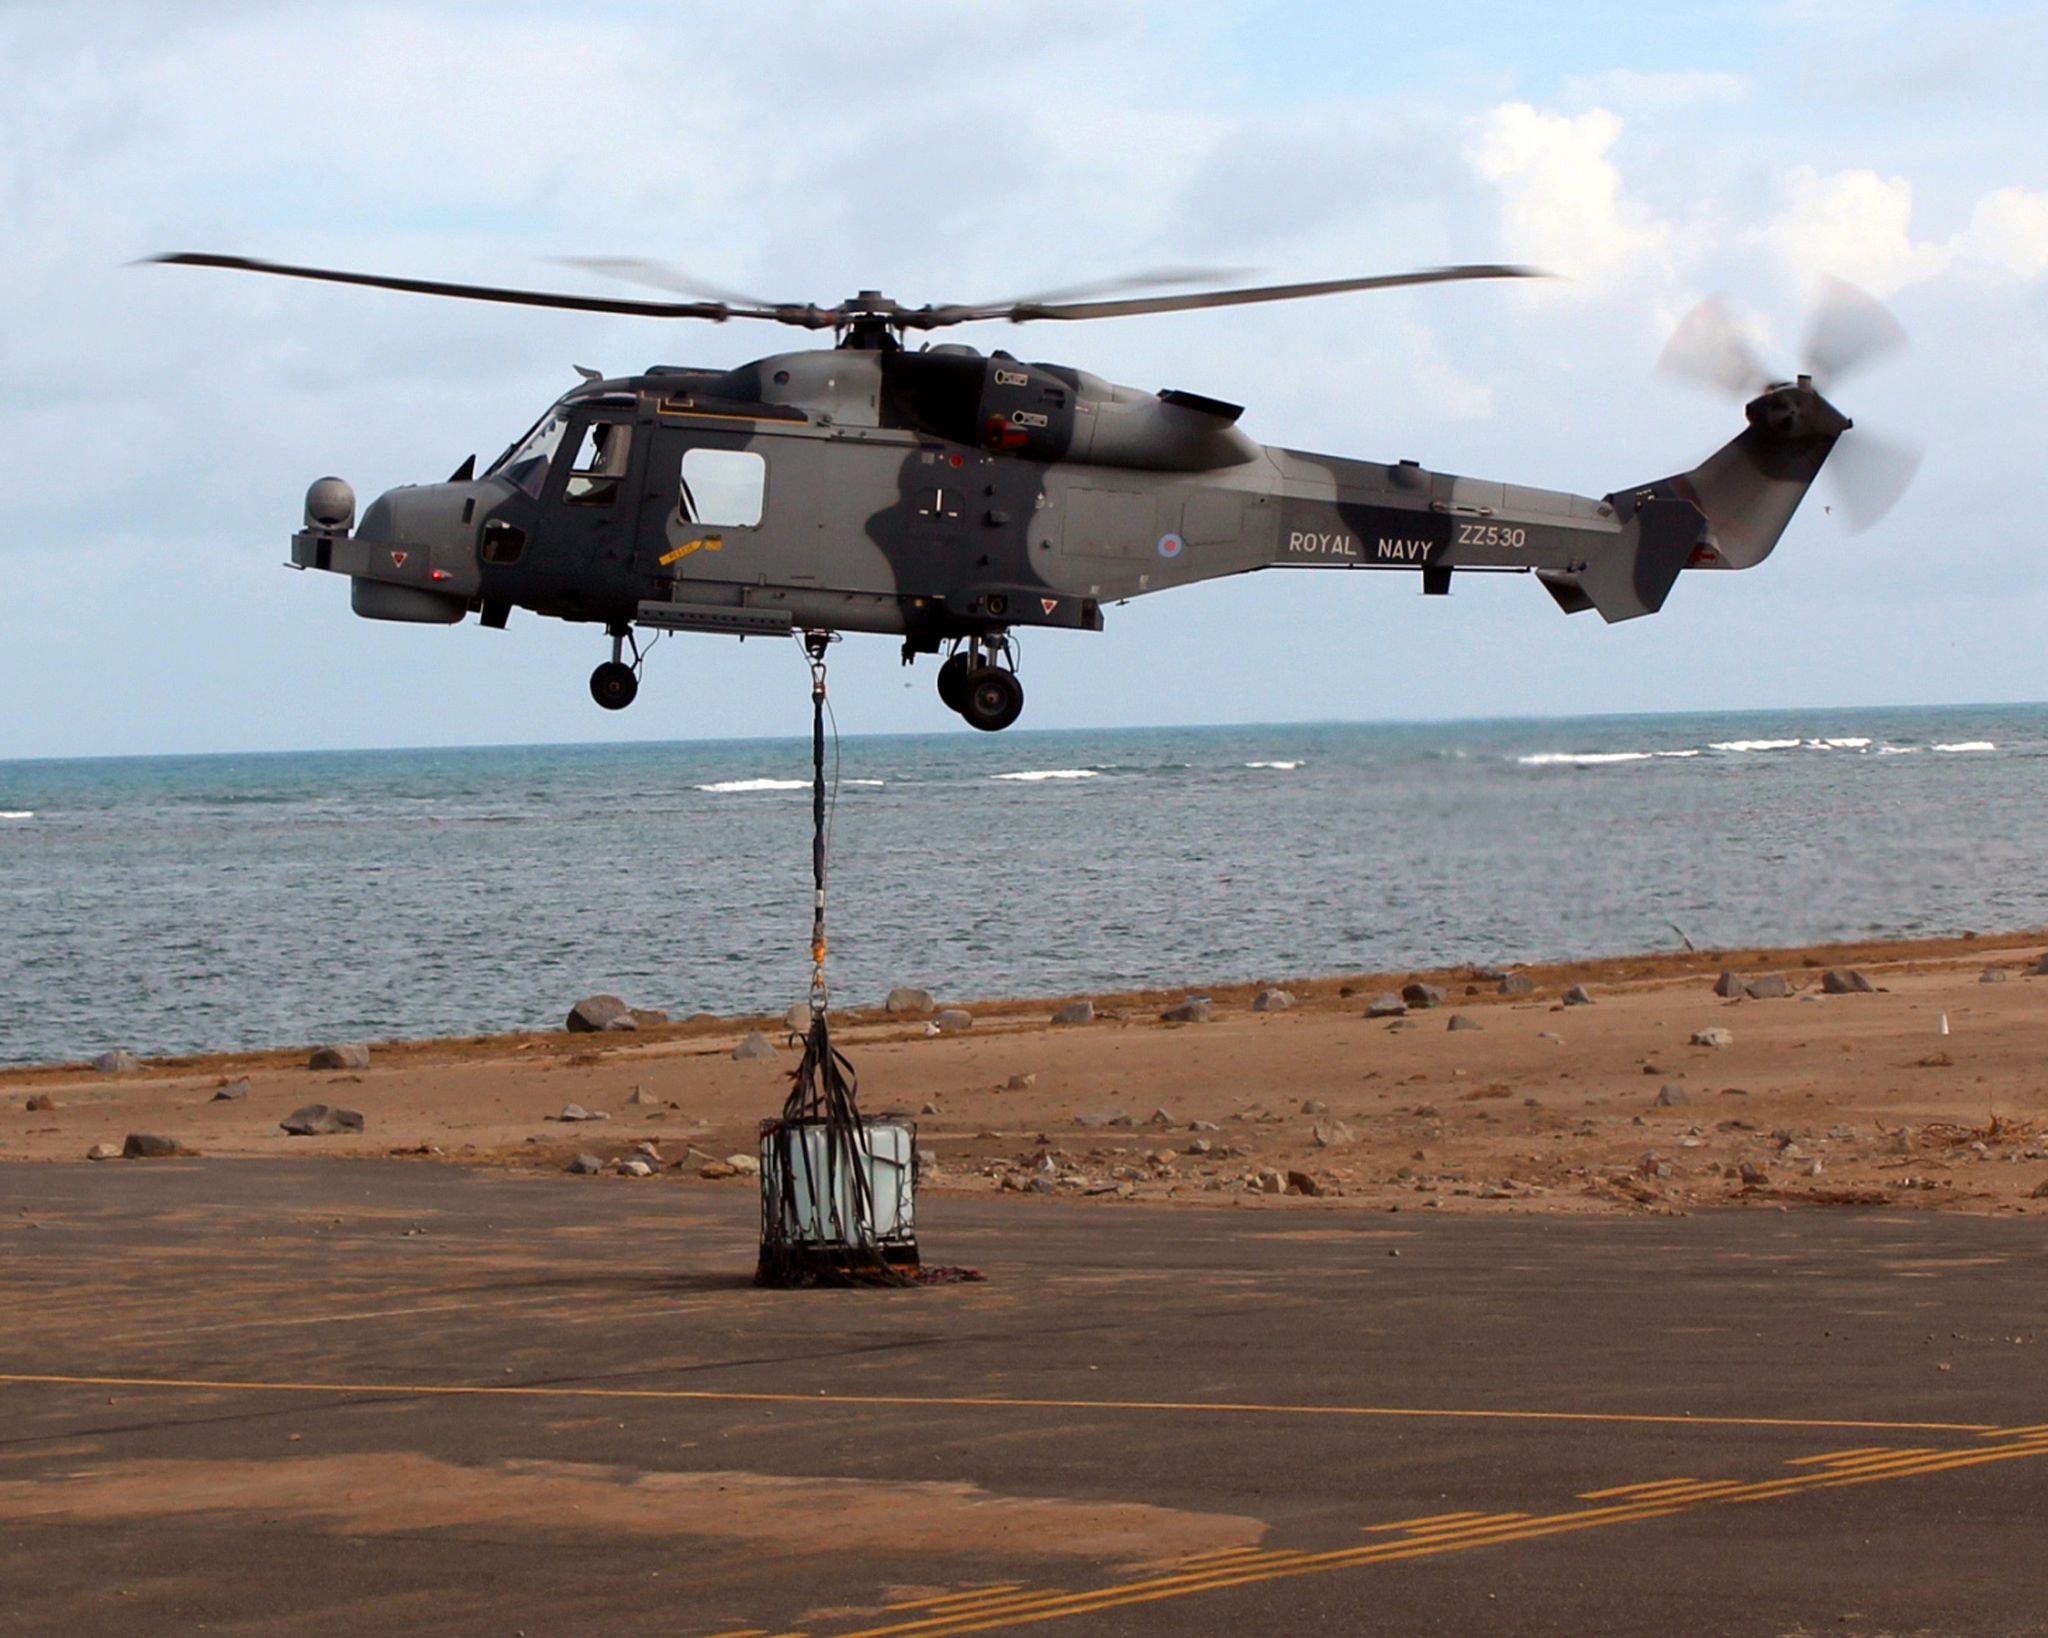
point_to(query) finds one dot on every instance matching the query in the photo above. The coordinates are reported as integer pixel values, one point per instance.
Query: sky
(161, 424)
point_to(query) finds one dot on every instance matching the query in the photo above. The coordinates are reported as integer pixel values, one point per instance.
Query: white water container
(810, 1206)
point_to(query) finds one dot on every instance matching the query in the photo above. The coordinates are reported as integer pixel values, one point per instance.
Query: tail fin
(1726, 513)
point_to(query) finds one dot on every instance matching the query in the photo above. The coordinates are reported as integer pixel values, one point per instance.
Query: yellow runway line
(422, 1390)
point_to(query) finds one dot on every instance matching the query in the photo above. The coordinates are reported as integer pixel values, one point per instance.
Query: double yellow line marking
(990, 1608)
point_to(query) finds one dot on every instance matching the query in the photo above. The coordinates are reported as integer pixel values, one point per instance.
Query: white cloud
(1561, 197)
(1854, 225)
(2009, 229)
(1859, 226)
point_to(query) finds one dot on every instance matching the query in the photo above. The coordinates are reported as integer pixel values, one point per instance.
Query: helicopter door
(589, 511)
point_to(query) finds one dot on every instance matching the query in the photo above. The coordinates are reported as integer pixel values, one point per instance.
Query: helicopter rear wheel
(613, 685)
(992, 698)
(953, 682)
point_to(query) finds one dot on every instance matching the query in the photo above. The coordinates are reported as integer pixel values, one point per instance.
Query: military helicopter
(950, 498)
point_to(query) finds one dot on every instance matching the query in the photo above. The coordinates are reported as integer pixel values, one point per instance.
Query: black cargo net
(818, 1206)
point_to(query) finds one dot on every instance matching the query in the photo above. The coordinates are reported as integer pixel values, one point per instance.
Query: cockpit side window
(599, 465)
(526, 465)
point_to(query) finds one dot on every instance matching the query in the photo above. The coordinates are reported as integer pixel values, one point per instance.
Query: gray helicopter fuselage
(941, 494)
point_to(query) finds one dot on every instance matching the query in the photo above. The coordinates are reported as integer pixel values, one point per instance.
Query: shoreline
(1643, 968)
(1659, 1096)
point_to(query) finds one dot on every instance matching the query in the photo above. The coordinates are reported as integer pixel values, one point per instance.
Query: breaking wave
(16, 813)
(1284, 767)
(726, 787)
(1032, 776)
(1968, 745)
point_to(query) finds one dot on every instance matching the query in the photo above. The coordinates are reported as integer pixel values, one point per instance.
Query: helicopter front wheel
(991, 698)
(613, 685)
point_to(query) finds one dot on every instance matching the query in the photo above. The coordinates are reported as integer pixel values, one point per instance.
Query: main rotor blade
(1850, 329)
(1024, 312)
(718, 312)
(662, 276)
(1150, 279)
(1871, 473)
(1709, 349)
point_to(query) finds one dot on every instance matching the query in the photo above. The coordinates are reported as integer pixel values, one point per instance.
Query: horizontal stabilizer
(1635, 574)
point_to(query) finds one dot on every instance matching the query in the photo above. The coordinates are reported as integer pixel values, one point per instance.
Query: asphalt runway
(398, 1397)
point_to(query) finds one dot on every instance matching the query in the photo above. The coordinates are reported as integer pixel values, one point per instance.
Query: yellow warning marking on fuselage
(703, 543)
(443, 1390)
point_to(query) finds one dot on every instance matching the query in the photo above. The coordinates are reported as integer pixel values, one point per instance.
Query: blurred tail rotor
(1849, 329)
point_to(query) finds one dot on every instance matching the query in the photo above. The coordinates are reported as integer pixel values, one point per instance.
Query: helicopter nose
(418, 555)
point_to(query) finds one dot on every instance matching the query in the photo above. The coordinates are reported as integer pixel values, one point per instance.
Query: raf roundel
(1169, 545)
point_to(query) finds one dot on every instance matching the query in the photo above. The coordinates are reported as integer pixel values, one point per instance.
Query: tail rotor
(1848, 331)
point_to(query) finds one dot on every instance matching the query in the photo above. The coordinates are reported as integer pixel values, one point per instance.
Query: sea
(204, 903)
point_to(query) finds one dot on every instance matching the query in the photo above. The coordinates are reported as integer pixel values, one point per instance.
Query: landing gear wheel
(613, 685)
(994, 698)
(953, 682)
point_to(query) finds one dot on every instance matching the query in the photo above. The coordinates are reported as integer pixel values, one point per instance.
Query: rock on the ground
(745, 1165)
(116, 1062)
(1770, 987)
(1578, 996)
(103, 1151)
(585, 1166)
(2040, 1191)
(1385, 1005)
(1419, 995)
(1845, 981)
(576, 1112)
(1672, 1095)
(1731, 987)
(1020, 1083)
(756, 1045)
(1194, 1010)
(952, 1020)
(1714, 1036)
(647, 1017)
(1332, 1134)
(798, 1019)
(1302, 1183)
(346, 1055)
(1753, 1173)
(903, 999)
(640, 1096)
(40, 1103)
(1993, 975)
(1075, 1012)
(151, 1146)
(1272, 1001)
(321, 1120)
(1460, 1020)
(230, 1092)
(1517, 984)
(1314, 1106)
(1271, 1182)
(635, 1167)
(596, 1013)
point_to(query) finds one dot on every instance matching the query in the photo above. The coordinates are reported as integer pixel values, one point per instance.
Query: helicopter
(951, 498)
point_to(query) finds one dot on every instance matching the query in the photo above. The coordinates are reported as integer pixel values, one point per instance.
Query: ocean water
(184, 904)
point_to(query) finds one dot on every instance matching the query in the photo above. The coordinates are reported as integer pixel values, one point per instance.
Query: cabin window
(600, 464)
(724, 488)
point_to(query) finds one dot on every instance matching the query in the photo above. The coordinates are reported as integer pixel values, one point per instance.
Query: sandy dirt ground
(1931, 1092)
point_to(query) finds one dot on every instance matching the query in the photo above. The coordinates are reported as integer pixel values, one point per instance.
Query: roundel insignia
(1169, 545)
